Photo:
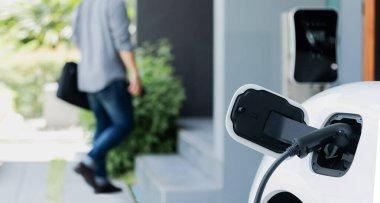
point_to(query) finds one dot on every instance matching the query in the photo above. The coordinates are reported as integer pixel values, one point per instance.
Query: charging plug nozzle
(338, 133)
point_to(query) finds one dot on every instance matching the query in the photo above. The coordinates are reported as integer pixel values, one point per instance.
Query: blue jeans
(113, 111)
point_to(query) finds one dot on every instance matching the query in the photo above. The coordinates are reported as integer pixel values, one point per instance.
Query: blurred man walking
(101, 34)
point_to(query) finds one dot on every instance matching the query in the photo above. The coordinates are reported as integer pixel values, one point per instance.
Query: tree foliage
(37, 23)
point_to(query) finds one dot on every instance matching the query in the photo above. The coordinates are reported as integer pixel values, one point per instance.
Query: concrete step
(195, 144)
(171, 179)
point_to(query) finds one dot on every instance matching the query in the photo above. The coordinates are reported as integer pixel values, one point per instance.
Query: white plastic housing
(229, 124)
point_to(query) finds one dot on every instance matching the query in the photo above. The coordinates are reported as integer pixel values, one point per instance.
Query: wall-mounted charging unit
(275, 125)
(313, 44)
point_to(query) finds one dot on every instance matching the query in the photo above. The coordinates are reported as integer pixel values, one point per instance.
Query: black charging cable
(302, 146)
(290, 152)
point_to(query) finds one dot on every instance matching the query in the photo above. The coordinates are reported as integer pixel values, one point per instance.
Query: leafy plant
(155, 113)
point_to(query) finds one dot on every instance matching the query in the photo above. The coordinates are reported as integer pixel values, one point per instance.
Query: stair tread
(174, 173)
(198, 131)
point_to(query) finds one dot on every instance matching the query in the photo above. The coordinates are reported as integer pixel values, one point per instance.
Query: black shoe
(107, 188)
(87, 173)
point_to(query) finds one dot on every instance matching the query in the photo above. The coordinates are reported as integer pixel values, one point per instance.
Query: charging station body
(315, 180)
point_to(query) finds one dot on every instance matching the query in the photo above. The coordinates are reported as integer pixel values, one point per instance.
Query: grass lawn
(55, 181)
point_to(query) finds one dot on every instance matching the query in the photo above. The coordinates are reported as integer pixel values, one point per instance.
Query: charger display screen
(316, 41)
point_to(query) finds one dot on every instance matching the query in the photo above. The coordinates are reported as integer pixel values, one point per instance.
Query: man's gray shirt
(101, 32)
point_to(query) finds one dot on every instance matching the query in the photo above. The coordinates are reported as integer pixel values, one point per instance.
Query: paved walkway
(26, 160)
(76, 191)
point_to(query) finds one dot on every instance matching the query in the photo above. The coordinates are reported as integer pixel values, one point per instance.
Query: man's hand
(128, 59)
(134, 85)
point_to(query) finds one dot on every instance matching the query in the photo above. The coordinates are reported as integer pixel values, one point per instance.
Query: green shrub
(26, 78)
(155, 113)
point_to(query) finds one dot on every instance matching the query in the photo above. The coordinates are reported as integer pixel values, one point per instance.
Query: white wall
(351, 41)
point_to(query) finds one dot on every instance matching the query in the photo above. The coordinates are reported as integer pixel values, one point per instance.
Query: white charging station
(335, 133)
(309, 51)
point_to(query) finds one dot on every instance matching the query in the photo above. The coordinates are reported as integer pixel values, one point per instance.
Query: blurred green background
(35, 40)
